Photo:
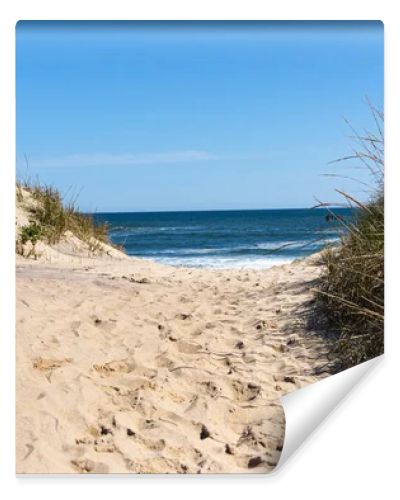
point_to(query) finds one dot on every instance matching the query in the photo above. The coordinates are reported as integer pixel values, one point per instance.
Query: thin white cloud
(124, 160)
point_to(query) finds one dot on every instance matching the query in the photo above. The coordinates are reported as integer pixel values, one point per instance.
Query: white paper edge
(305, 409)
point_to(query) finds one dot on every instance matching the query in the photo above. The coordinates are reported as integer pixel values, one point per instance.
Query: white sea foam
(186, 251)
(225, 262)
(307, 244)
(277, 245)
(273, 246)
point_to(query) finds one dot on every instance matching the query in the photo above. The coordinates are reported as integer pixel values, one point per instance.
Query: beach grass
(351, 292)
(52, 217)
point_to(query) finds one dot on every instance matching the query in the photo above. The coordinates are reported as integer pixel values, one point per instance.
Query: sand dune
(124, 365)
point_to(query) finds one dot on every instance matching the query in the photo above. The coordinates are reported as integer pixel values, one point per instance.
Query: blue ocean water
(224, 239)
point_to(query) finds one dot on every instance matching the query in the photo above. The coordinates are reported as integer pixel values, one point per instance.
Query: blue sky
(194, 116)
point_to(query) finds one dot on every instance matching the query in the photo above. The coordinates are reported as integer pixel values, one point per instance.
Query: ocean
(251, 239)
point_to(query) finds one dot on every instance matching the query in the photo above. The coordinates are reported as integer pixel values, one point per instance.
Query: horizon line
(212, 210)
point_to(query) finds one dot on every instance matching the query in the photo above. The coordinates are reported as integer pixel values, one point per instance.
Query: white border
(355, 452)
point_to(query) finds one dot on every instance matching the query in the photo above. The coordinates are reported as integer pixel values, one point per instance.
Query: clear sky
(194, 116)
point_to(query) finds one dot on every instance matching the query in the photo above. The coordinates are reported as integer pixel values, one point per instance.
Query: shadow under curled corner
(305, 409)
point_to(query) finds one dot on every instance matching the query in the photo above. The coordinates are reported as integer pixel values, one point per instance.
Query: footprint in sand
(188, 347)
(104, 445)
(245, 391)
(211, 389)
(86, 466)
(164, 361)
(46, 364)
(253, 438)
(151, 444)
(114, 367)
(125, 399)
(197, 332)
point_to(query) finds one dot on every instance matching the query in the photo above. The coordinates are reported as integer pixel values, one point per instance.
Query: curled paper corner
(306, 408)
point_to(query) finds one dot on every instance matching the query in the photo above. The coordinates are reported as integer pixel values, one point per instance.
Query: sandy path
(130, 366)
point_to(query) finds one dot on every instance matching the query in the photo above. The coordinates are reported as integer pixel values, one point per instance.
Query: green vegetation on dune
(32, 233)
(351, 292)
(52, 218)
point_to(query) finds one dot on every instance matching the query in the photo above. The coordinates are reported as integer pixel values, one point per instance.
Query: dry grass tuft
(52, 217)
(351, 293)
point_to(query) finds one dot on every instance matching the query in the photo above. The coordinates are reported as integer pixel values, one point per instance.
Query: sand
(124, 365)
(128, 366)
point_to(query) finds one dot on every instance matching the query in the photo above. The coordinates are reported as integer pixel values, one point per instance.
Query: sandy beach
(200, 254)
(128, 366)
